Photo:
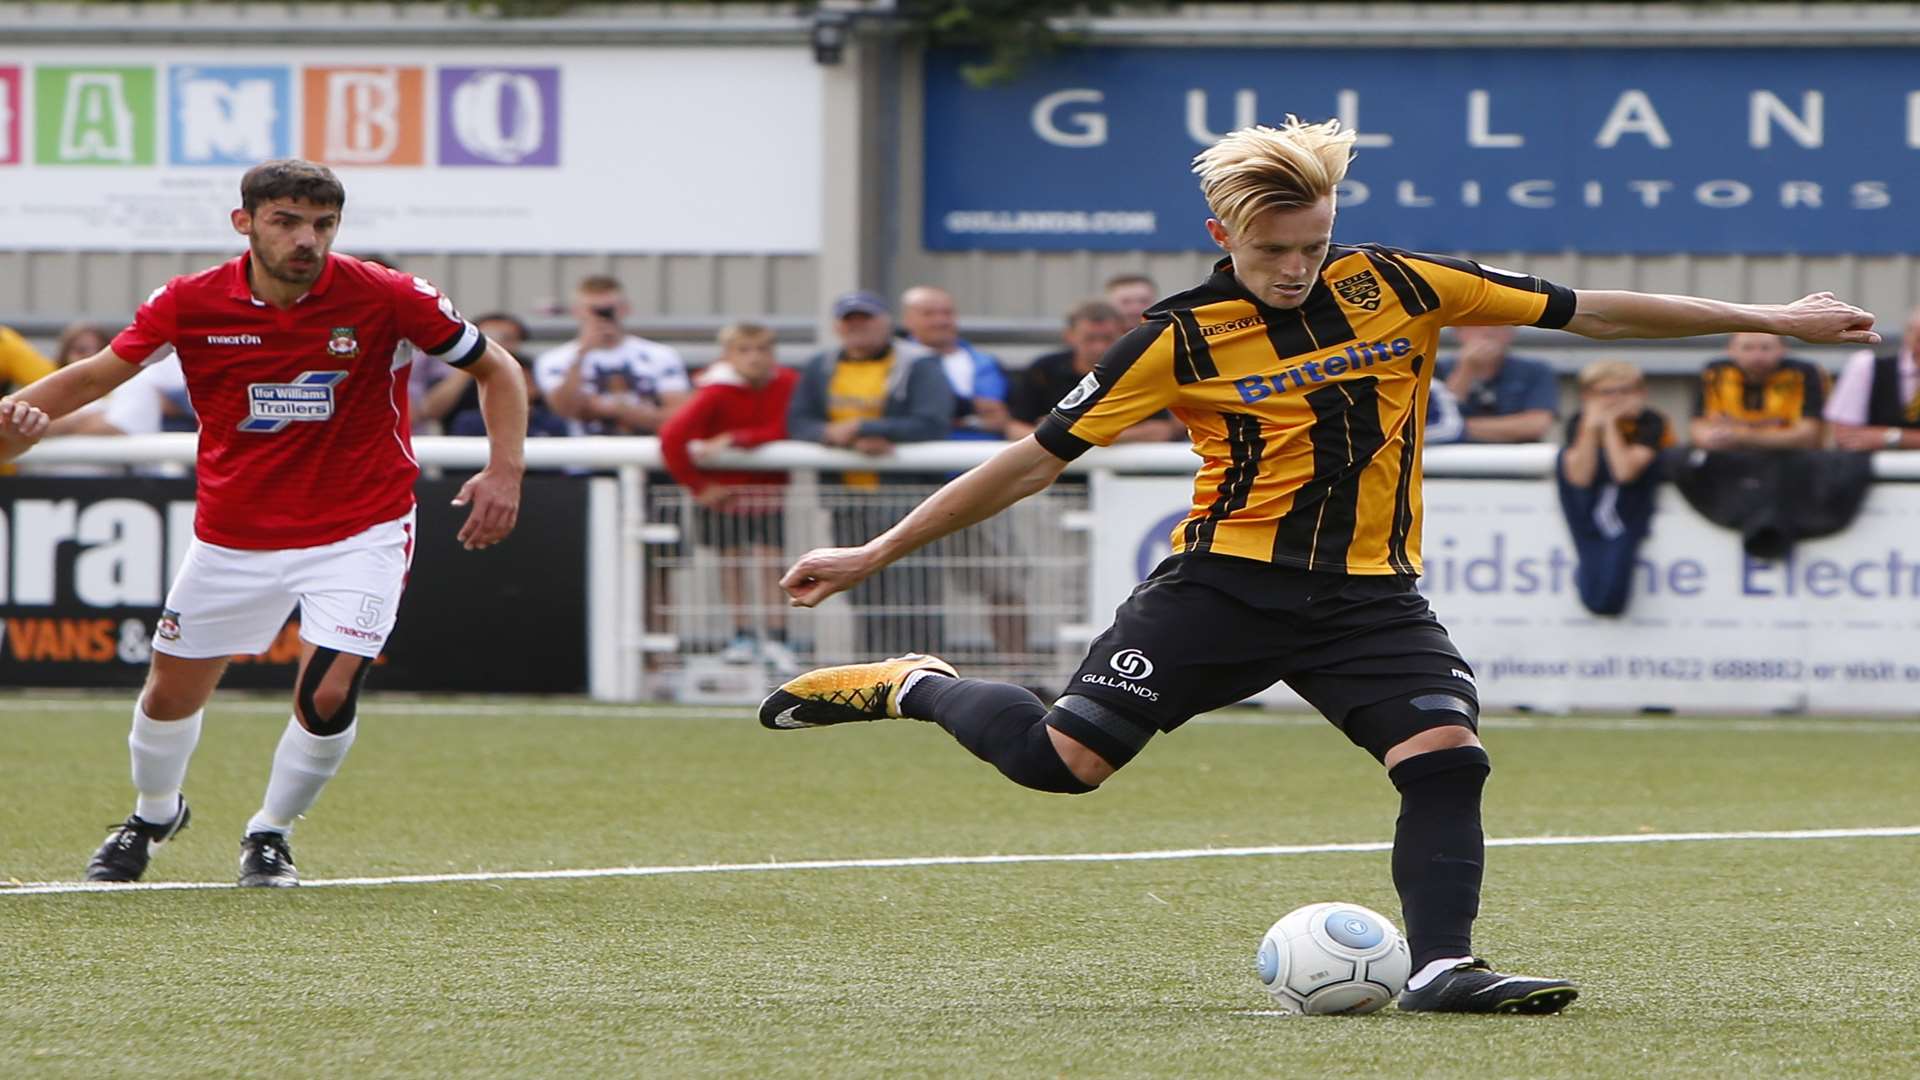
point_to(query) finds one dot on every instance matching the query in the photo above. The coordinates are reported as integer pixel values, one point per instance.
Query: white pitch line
(1234, 718)
(422, 708)
(44, 888)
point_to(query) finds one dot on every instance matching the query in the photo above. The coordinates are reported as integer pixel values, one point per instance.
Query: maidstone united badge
(343, 344)
(1362, 290)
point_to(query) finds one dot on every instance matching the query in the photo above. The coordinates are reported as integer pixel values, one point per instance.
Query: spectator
(1131, 295)
(504, 328)
(542, 422)
(979, 382)
(140, 406)
(1444, 422)
(607, 381)
(1876, 401)
(1614, 437)
(136, 407)
(79, 341)
(463, 416)
(1607, 480)
(20, 363)
(741, 402)
(1503, 398)
(1092, 328)
(869, 394)
(1757, 398)
(984, 559)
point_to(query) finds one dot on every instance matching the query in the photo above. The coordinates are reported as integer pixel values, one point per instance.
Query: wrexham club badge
(342, 345)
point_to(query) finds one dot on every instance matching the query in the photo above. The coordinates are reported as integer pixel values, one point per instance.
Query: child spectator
(1607, 479)
(741, 401)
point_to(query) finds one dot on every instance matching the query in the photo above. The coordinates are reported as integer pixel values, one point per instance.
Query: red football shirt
(303, 412)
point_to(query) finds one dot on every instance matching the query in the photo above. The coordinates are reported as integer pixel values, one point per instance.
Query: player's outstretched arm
(1019, 470)
(1821, 318)
(75, 386)
(494, 492)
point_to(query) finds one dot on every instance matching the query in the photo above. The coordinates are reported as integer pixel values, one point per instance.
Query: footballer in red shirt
(296, 360)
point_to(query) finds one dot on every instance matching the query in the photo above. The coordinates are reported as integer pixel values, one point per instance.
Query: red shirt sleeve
(427, 318)
(687, 423)
(153, 329)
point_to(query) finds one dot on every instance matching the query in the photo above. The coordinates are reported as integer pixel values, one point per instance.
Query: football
(1333, 958)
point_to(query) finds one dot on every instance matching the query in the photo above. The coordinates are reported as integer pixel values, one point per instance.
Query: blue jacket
(989, 381)
(919, 405)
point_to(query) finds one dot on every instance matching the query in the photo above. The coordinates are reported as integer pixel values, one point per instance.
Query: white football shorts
(230, 602)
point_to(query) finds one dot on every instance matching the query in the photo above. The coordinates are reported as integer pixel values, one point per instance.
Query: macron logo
(233, 339)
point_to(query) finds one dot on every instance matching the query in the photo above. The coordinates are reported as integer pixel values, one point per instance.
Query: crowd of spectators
(883, 382)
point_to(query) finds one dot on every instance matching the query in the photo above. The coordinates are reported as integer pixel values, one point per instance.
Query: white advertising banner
(1835, 628)
(697, 149)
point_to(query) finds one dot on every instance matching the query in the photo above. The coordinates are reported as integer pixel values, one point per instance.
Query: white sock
(160, 750)
(302, 765)
(1432, 971)
(907, 684)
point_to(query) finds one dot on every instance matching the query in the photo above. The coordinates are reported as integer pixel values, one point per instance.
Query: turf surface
(1724, 958)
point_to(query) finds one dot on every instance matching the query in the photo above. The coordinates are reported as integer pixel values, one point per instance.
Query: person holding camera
(607, 381)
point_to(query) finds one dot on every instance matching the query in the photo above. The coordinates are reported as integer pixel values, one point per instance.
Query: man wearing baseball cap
(866, 395)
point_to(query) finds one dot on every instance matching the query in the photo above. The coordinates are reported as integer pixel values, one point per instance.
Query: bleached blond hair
(1257, 169)
(1603, 371)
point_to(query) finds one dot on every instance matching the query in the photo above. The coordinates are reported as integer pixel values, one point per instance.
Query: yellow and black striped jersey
(1793, 391)
(1308, 420)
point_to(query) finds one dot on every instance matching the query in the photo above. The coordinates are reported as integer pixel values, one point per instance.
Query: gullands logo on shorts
(1357, 357)
(1134, 665)
(309, 398)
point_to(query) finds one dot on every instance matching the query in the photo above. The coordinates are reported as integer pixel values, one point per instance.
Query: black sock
(1439, 852)
(1004, 726)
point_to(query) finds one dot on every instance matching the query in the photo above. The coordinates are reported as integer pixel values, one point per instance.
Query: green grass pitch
(1706, 958)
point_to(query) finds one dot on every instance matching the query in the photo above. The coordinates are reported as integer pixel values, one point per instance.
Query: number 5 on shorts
(369, 613)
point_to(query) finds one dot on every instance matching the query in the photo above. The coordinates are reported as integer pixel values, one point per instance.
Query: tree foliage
(1009, 34)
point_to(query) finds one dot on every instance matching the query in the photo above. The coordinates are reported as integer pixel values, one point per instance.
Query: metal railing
(1001, 597)
(685, 604)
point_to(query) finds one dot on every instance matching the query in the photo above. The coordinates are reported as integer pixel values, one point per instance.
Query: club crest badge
(169, 626)
(1362, 290)
(343, 345)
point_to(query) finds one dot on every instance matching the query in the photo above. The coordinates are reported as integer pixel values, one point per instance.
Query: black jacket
(1775, 498)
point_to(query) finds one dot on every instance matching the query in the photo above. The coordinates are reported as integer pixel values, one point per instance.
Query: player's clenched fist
(824, 571)
(1823, 318)
(21, 425)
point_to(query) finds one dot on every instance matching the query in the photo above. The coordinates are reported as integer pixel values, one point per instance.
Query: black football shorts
(1207, 631)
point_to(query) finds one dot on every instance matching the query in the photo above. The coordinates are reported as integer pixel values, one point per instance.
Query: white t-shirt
(135, 405)
(645, 369)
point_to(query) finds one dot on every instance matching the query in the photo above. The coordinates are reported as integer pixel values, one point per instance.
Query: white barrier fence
(1832, 629)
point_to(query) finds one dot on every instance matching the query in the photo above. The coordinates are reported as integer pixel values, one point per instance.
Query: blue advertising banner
(1526, 149)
